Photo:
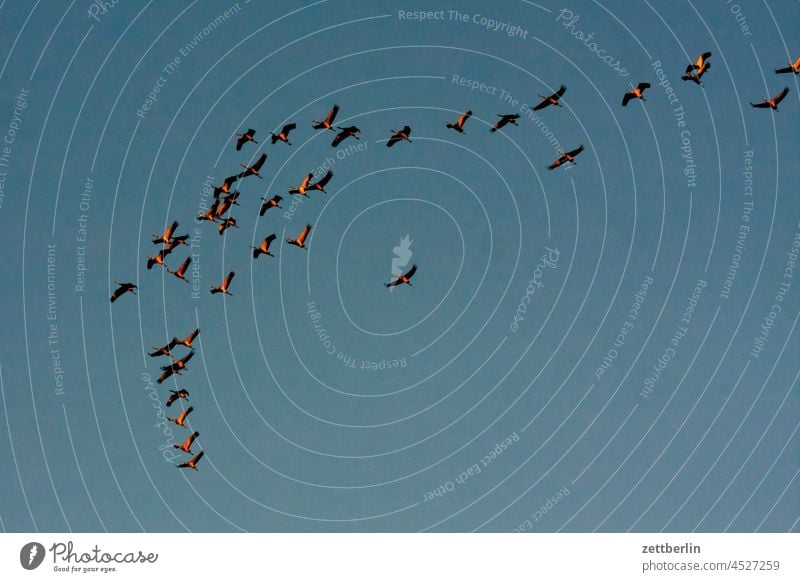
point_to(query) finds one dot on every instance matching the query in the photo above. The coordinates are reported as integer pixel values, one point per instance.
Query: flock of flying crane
(225, 198)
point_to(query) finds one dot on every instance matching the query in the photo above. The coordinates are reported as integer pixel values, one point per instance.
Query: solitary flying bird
(192, 463)
(344, 133)
(181, 272)
(399, 135)
(264, 248)
(223, 288)
(244, 138)
(327, 123)
(269, 203)
(636, 93)
(403, 278)
(459, 125)
(773, 103)
(792, 68)
(284, 134)
(122, 289)
(505, 120)
(176, 394)
(254, 169)
(566, 157)
(186, 447)
(300, 240)
(551, 99)
(181, 419)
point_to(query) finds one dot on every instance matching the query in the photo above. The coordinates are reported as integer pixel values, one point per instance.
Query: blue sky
(609, 346)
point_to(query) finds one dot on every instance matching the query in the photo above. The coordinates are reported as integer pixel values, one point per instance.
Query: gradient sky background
(294, 439)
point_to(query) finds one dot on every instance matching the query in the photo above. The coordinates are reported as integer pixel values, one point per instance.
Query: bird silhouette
(187, 341)
(504, 120)
(635, 93)
(162, 351)
(223, 288)
(181, 272)
(773, 103)
(344, 133)
(403, 278)
(794, 67)
(399, 135)
(168, 235)
(284, 134)
(270, 203)
(180, 420)
(300, 240)
(254, 169)
(566, 157)
(211, 213)
(459, 125)
(320, 185)
(186, 447)
(244, 138)
(158, 259)
(192, 463)
(301, 188)
(551, 99)
(176, 395)
(121, 289)
(327, 123)
(263, 249)
(225, 187)
(176, 367)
